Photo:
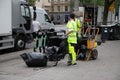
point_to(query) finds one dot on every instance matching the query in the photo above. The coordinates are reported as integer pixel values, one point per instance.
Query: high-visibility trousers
(72, 53)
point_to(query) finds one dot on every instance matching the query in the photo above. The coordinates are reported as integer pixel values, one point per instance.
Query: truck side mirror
(34, 14)
(34, 11)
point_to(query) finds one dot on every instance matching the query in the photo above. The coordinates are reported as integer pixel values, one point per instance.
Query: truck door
(25, 12)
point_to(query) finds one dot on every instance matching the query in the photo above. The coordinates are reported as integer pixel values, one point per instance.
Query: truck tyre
(19, 43)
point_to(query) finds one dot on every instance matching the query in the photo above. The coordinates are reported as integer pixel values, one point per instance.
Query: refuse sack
(34, 59)
(51, 52)
(55, 53)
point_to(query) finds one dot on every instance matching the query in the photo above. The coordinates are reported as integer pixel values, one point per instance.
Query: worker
(42, 41)
(79, 34)
(79, 27)
(72, 39)
(36, 28)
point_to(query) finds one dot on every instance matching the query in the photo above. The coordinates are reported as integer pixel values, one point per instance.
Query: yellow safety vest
(71, 26)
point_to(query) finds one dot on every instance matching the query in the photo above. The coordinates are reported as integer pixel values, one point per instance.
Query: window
(58, 8)
(25, 11)
(22, 11)
(46, 18)
(52, 8)
(66, 8)
(58, 17)
(49, 1)
(52, 0)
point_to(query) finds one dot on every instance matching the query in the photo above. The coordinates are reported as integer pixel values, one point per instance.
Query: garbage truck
(15, 24)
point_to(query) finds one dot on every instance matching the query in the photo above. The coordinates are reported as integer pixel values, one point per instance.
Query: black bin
(115, 32)
(105, 32)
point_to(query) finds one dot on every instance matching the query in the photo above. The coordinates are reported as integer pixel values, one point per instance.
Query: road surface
(106, 67)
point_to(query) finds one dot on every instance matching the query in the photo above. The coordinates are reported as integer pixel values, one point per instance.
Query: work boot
(74, 63)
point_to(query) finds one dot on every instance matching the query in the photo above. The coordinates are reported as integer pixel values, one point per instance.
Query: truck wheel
(94, 54)
(20, 43)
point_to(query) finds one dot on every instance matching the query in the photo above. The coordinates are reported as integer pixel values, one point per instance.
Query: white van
(43, 18)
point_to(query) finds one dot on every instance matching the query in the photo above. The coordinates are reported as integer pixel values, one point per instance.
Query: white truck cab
(15, 24)
(43, 18)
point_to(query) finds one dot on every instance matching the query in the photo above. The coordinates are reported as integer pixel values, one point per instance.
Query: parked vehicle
(43, 18)
(15, 24)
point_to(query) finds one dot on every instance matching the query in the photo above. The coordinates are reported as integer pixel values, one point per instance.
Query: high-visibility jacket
(78, 24)
(71, 26)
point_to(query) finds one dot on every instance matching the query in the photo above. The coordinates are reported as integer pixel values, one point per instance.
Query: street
(106, 67)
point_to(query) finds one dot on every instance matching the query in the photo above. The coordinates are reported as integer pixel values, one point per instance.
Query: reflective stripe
(72, 52)
(71, 36)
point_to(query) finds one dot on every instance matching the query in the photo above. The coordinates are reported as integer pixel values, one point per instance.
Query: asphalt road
(106, 67)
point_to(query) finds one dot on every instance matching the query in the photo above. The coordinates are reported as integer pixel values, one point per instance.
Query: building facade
(60, 6)
(60, 9)
(57, 9)
(46, 4)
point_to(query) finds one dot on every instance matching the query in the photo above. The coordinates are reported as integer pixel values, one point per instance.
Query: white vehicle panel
(5, 17)
(42, 17)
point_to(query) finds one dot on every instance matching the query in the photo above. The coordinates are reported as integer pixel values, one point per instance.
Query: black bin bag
(34, 59)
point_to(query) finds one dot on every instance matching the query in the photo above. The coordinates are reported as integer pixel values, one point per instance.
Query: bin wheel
(94, 54)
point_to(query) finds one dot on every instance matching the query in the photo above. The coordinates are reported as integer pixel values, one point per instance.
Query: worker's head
(72, 16)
